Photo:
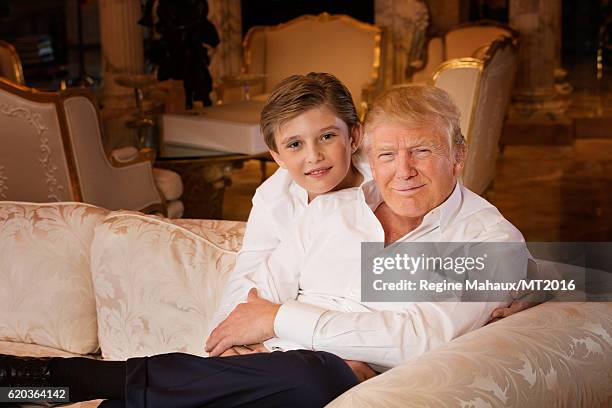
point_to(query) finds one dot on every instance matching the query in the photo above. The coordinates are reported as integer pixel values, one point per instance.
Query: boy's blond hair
(297, 94)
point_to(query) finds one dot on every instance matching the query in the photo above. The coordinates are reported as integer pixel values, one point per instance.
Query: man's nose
(405, 166)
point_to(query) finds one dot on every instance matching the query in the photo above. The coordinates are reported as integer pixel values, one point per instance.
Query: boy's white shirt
(277, 205)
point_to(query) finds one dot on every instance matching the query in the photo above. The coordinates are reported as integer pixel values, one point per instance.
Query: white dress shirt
(316, 276)
(277, 204)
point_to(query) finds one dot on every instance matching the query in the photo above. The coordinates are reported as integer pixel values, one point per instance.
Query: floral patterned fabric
(553, 355)
(46, 295)
(157, 284)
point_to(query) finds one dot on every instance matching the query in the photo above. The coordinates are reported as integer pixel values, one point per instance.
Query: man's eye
(385, 156)
(422, 152)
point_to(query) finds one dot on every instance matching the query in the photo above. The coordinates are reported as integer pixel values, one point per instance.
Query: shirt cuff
(296, 322)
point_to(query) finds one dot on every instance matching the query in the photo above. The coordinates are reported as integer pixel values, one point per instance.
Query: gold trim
(376, 74)
(467, 62)
(16, 61)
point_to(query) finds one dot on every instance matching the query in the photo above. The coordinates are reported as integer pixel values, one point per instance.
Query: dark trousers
(297, 378)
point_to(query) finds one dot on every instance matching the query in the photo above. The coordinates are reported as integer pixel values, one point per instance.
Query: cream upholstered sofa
(81, 280)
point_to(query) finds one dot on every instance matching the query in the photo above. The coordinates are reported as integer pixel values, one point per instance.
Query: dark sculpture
(180, 52)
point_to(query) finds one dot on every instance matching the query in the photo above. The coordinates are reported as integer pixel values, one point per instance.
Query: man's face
(413, 167)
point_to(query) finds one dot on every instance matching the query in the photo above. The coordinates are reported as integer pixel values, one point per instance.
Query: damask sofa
(76, 279)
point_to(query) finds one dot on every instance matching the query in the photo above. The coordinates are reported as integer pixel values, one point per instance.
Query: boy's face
(315, 148)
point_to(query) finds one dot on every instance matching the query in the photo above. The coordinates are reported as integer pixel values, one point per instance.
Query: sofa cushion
(46, 295)
(157, 284)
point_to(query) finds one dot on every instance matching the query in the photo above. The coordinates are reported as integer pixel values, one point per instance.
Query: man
(312, 283)
(310, 286)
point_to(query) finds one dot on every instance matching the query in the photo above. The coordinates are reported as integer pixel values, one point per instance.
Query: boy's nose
(314, 154)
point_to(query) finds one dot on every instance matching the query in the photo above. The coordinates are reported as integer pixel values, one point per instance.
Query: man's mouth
(408, 190)
(320, 172)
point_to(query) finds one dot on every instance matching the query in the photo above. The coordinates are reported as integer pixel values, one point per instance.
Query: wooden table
(205, 175)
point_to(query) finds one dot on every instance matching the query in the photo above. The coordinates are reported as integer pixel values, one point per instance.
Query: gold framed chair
(337, 44)
(10, 63)
(464, 40)
(51, 150)
(481, 88)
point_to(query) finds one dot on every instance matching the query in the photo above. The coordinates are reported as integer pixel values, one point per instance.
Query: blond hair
(417, 105)
(297, 94)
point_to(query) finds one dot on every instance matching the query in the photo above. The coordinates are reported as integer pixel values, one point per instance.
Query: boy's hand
(249, 323)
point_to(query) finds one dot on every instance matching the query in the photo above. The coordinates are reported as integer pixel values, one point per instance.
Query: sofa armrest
(559, 352)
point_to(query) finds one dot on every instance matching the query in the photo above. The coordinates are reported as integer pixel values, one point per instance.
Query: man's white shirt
(315, 273)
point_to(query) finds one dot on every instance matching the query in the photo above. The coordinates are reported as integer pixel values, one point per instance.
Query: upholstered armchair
(466, 40)
(481, 88)
(10, 64)
(51, 150)
(338, 44)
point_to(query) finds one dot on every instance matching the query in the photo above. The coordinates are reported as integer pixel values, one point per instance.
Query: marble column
(227, 56)
(405, 22)
(537, 23)
(122, 48)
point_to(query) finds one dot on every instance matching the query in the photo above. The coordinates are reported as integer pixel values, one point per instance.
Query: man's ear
(356, 137)
(459, 156)
(277, 159)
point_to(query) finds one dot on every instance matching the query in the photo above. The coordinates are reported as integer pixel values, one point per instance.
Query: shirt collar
(440, 216)
(299, 193)
(359, 162)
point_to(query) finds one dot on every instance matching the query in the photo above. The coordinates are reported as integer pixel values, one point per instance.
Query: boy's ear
(277, 159)
(356, 137)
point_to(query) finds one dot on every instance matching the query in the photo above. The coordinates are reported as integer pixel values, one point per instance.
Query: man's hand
(361, 370)
(249, 323)
(515, 307)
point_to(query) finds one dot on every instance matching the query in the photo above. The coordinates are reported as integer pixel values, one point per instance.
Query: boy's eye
(327, 136)
(293, 145)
